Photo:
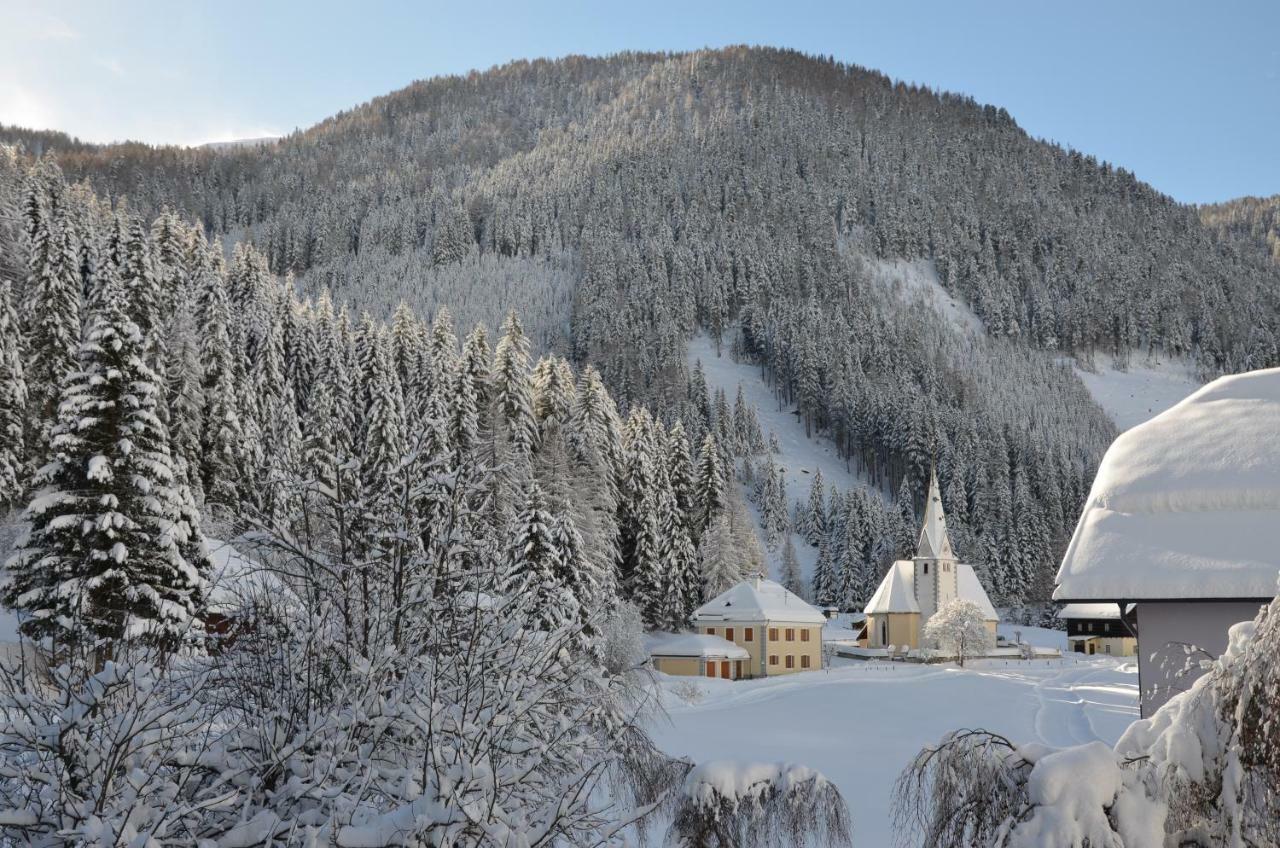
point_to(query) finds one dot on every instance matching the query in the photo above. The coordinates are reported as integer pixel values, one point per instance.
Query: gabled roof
(969, 588)
(934, 543)
(896, 592)
(1186, 505)
(759, 600)
(693, 645)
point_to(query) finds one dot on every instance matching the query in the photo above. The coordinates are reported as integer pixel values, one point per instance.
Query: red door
(711, 668)
(724, 669)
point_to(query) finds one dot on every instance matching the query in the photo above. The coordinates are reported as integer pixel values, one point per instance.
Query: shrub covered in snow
(736, 805)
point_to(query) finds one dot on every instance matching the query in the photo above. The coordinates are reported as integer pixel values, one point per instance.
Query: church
(914, 589)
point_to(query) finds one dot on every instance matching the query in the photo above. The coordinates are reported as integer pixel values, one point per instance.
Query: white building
(778, 629)
(1181, 523)
(914, 589)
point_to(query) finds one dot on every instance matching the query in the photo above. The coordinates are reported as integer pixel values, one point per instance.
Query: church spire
(934, 543)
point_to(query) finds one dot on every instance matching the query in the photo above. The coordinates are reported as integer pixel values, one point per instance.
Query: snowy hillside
(1141, 391)
(861, 723)
(917, 281)
(800, 458)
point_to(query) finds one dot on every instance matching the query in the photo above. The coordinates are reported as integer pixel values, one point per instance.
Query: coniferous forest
(425, 365)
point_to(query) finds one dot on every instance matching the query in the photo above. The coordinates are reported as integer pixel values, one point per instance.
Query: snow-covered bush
(960, 629)
(744, 805)
(622, 639)
(1203, 771)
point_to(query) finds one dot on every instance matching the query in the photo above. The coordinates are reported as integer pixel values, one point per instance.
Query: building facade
(781, 633)
(913, 590)
(1178, 526)
(1097, 629)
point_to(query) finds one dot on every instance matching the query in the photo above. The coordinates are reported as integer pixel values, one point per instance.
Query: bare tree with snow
(960, 629)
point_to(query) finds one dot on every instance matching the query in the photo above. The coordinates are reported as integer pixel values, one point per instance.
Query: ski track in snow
(861, 722)
(800, 457)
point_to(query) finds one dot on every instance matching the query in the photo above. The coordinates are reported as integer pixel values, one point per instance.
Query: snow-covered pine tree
(536, 565)
(774, 511)
(514, 429)
(905, 524)
(221, 457)
(114, 548)
(709, 486)
(639, 520)
(825, 585)
(718, 556)
(790, 569)
(13, 404)
(51, 305)
(814, 524)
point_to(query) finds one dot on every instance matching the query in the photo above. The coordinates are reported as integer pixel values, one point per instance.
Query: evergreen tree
(790, 576)
(709, 487)
(825, 588)
(814, 515)
(51, 309)
(221, 456)
(536, 565)
(906, 528)
(13, 403)
(114, 548)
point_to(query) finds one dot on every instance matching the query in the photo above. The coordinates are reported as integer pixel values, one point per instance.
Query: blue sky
(1185, 94)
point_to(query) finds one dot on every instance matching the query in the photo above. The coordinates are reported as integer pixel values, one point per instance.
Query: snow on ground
(917, 279)
(861, 722)
(1143, 390)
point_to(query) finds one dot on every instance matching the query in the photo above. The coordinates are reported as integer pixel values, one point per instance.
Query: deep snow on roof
(1074, 611)
(693, 645)
(759, 600)
(1186, 505)
(896, 592)
(969, 588)
(235, 580)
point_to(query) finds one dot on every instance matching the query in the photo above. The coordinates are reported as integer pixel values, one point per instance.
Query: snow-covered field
(1141, 391)
(861, 722)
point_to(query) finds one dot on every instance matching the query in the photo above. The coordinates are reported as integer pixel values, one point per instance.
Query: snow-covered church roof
(897, 591)
(1186, 505)
(759, 600)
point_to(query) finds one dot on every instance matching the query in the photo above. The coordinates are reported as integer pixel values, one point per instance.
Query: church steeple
(934, 543)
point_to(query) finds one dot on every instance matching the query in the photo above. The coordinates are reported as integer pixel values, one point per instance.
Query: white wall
(1162, 625)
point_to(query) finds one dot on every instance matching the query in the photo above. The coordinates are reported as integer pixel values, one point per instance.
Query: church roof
(897, 592)
(969, 588)
(759, 600)
(934, 543)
